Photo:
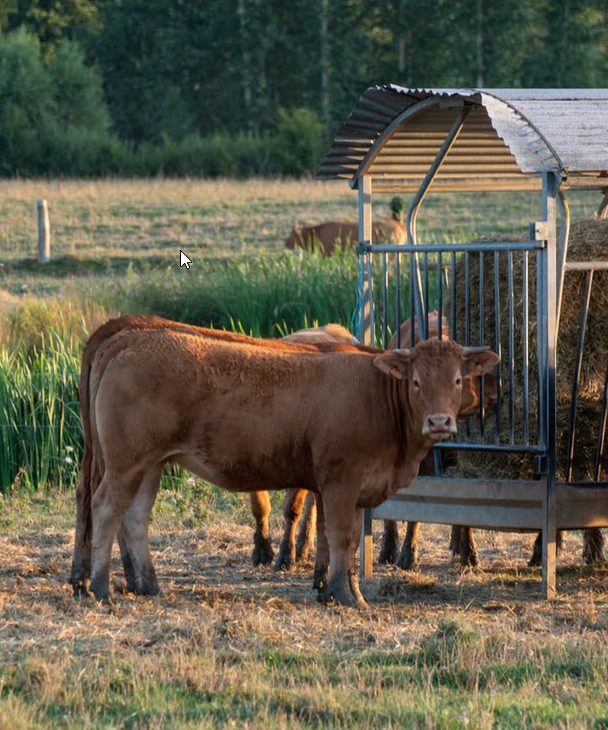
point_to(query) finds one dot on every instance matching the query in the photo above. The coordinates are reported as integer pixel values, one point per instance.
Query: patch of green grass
(278, 687)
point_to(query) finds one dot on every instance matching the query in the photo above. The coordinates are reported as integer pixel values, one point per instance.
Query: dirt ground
(209, 587)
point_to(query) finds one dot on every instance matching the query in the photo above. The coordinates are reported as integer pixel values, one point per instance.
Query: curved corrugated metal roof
(508, 137)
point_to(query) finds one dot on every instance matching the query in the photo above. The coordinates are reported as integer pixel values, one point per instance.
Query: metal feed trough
(551, 141)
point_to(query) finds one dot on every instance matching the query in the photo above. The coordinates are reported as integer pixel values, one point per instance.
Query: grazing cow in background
(328, 236)
(352, 424)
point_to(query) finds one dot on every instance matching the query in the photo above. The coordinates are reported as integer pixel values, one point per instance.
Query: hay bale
(588, 242)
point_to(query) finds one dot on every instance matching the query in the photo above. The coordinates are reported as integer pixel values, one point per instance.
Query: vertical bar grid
(385, 337)
(511, 347)
(601, 437)
(398, 297)
(577, 373)
(525, 353)
(497, 343)
(439, 295)
(482, 315)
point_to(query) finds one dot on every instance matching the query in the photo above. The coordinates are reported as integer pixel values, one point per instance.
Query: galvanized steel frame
(551, 268)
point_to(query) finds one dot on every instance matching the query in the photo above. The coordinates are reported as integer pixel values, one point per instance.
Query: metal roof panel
(559, 130)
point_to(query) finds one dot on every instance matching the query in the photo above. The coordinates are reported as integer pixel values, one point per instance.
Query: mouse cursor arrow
(184, 260)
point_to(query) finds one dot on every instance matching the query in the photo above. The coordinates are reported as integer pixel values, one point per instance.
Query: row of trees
(164, 71)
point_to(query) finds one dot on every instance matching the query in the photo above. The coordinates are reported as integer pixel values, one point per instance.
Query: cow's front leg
(353, 574)
(262, 547)
(339, 512)
(321, 571)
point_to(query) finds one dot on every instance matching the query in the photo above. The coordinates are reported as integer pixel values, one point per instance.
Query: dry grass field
(226, 644)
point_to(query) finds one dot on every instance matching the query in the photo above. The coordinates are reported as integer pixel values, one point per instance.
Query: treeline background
(254, 87)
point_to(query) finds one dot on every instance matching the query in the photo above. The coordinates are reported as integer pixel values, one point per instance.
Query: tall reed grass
(40, 433)
(40, 430)
(261, 296)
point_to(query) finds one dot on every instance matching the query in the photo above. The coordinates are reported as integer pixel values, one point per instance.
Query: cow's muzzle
(439, 425)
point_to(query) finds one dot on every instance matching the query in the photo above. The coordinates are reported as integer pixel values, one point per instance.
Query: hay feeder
(506, 294)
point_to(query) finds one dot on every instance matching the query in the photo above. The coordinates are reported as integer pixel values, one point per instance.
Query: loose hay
(588, 242)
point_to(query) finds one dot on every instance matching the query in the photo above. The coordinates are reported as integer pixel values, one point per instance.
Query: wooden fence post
(44, 233)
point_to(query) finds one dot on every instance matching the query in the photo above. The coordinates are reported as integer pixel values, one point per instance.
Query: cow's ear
(477, 361)
(395, 363)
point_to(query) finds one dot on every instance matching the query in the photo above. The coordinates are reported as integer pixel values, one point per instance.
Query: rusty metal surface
(394, 133)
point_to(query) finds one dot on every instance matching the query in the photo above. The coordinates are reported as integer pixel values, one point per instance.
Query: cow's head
(294, 240)
(433, 372)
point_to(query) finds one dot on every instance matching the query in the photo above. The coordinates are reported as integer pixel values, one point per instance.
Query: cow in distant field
(328, 236)
(351, 423)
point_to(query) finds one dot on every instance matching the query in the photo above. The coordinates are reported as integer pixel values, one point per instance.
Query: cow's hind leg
(109, 505)
(537, 550)
(262, 547)
(293, 504)
(390, 541)
(306, 536)
(462, 544)
(593, 546)
(408, 558)
(133, 537)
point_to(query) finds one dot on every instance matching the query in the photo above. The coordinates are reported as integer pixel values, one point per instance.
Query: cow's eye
(416, 384)
(458, 381)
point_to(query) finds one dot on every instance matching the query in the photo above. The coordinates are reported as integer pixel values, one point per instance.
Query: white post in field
(44, 233)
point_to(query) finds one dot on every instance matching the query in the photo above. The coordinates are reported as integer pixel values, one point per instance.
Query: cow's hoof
(262, 555)
(331, 597)
(286, 560)
(319, 581)
(262, 551)
(469, 559)
(146, 584)
(100, 591)
(408, 560)
(81, 589)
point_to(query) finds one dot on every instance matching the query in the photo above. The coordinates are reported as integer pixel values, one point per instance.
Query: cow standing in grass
(331, 235)
(351, 424)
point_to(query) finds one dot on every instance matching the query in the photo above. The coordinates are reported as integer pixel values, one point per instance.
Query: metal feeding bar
(415, 205)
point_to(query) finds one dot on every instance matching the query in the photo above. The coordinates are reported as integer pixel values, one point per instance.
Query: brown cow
(343, 234)
(247, 414)
(260, 501)
(461, 543)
